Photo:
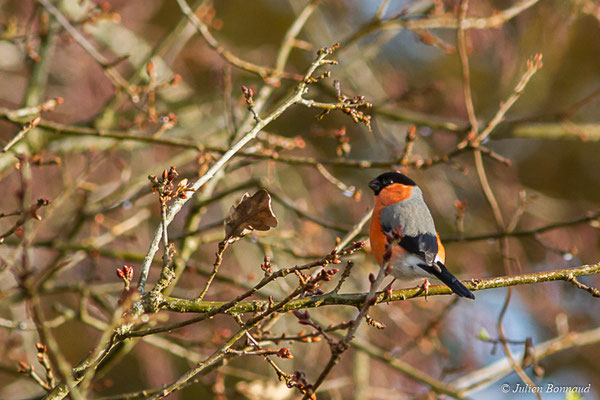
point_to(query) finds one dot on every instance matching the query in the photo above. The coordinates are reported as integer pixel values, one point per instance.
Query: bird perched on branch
(402, 220)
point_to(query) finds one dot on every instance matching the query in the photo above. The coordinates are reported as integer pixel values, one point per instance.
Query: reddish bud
(301, 314)
(284, 352)
(23, 367)
(150, 68)
(128, 271)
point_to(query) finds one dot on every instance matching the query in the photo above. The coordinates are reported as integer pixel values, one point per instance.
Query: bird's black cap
(389, 178)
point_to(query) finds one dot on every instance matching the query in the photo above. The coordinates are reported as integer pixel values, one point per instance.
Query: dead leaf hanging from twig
(251, 213)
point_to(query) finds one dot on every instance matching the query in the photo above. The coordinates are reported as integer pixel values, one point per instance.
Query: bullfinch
(401, 213)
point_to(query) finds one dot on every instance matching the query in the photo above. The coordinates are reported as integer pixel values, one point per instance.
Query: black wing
(424, 245)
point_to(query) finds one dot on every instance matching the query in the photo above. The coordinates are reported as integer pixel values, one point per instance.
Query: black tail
(451, 281)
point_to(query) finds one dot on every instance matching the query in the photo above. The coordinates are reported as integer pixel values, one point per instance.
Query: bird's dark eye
(388, 182)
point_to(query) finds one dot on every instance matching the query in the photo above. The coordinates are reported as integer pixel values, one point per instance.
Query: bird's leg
(425, 287)
(388, 291)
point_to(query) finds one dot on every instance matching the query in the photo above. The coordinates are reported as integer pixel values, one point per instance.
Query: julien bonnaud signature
(547, 388)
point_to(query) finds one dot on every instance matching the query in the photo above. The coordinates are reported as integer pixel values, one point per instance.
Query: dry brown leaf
(251, 213)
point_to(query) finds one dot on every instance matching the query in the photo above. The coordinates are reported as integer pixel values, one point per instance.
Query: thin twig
(524, 233)
(511, 359)
(355, 231)
(591, 290)
(464, 62)
(304, 215)
(348, 190)
(533, 65)
(289, 38)
(409, 143)
(21, 134)
(218, 261)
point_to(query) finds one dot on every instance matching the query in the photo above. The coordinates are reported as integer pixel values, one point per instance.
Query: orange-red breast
(417, 251)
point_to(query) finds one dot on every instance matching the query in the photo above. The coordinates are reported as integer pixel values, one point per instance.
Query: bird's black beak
(375, 186)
